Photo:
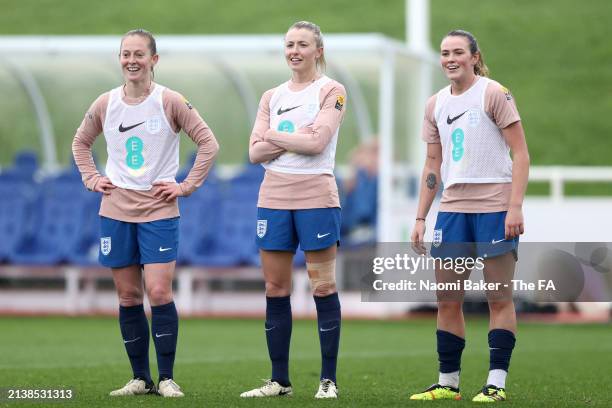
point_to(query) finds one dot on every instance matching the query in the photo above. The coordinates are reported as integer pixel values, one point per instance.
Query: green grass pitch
(381, 363)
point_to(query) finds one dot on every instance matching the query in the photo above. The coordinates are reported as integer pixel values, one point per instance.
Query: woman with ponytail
(470, 128)
(139, 216)
(294, 138)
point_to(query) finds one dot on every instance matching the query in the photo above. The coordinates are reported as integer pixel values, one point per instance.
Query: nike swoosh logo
(450, 121)
(164, 249)
(125, 129)
(271, 328)
(162, 335)
(322, 330)
(130, 341)
(324, 235)
(280, 110)
(495, 241)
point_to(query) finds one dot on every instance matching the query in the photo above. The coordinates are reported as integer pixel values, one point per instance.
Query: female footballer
(139, 213)
(294, 137)
(470, 127)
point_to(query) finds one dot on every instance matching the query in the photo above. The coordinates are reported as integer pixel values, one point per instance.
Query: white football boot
(168, 388)
(135, 386)
(269, 389)
(327, 389)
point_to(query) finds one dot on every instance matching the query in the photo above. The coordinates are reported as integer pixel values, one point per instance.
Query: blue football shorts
(311, 229)
(471, 235)
(129, 243)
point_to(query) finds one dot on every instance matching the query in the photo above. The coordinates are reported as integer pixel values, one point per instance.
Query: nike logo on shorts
(323, 235)
(164, 249)
(496, 241)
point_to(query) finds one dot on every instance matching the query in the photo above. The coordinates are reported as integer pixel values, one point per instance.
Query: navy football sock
(328, 319)
(450, 348)
(278, 336)
(135, 332)
(501, 344)
(164, 325)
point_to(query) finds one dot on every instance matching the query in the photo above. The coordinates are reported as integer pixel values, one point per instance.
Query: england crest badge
(262, 227)
(437, 238)
(105, 245)
(153, 124)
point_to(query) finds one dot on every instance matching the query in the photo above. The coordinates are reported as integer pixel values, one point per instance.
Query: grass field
(380, 364)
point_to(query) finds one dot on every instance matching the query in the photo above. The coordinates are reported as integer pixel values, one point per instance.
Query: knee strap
(322, 274)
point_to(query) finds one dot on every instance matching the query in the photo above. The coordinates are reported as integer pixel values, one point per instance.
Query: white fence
(558, 175)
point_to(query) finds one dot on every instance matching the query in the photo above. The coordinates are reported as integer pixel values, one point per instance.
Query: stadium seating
(61, 221)
(55, 220)
(16, 216)
(24, 167)
(234, 243)
(199, 221)
(82, 250)
(18, 210)
(233, 236)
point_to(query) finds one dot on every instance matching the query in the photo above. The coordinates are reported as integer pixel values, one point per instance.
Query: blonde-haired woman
(294, 138)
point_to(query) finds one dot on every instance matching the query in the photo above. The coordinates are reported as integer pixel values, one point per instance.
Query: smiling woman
(294, 138)
(470, 128)
(141, 121)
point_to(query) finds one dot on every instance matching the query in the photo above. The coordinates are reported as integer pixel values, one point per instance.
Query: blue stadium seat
(83, 249)
(17, 220)
(24, 168)
(233, 240)
(199, 220)
(61, 215)
(234, 243)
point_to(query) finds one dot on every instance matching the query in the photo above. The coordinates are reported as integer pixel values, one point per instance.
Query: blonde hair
(480, 68)
(316, 30)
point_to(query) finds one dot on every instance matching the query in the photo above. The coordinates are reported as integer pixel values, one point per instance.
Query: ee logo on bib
(134, 158)
(457, 139)
(286, 126)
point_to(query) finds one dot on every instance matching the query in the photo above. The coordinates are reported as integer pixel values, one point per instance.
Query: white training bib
(142, 147)
(473, 147)
(290, 111)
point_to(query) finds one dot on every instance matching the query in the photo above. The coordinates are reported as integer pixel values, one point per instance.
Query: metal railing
(556, 176)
